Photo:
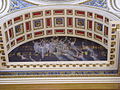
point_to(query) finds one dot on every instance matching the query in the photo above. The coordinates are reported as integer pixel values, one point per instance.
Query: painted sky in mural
(58, 49)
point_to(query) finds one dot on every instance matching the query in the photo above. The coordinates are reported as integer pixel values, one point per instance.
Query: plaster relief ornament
(114, 6)
(49, 2)
(4, 6)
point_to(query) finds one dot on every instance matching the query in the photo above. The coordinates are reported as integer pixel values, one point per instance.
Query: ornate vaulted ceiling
(24, 21)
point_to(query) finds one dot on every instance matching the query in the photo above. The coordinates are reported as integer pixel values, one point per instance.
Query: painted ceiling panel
(97, 3)
(19, 4)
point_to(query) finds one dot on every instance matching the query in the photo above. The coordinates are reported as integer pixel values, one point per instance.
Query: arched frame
(31, 14)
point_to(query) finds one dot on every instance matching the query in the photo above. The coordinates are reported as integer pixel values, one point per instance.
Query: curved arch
(103, 18)
(102, 15)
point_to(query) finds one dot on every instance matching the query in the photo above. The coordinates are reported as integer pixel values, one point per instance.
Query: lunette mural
(59, 48)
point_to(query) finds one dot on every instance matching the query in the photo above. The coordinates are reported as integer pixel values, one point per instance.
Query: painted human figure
(36, 47)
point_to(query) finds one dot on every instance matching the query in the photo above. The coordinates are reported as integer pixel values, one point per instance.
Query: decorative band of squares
(59, 22)
(81, 24)
(59, 72)
(36, 14)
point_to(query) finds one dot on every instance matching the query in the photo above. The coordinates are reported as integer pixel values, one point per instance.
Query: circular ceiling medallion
(49, 2)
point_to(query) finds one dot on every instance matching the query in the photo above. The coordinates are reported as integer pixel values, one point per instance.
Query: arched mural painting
(58, 48)
(59, 41)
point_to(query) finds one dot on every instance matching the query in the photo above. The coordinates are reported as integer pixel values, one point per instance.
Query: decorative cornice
(55, 80)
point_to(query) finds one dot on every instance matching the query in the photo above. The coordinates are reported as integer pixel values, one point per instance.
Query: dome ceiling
(47, 2)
